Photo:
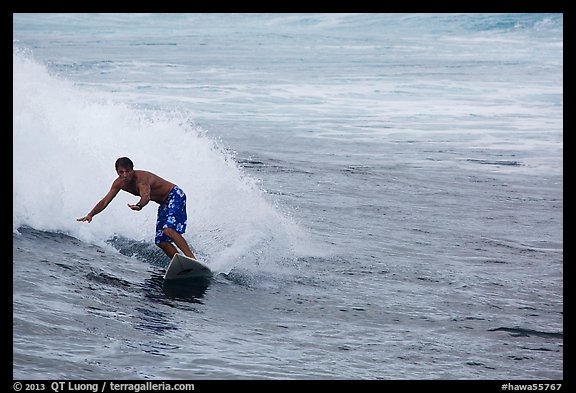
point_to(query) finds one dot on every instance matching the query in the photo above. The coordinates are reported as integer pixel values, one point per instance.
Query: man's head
(124, 162)
(125, 168)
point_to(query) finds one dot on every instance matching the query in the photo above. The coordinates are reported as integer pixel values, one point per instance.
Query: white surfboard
(182, 266)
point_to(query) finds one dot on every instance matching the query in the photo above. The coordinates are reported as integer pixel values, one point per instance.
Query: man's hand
(135, 207)
(85, 218)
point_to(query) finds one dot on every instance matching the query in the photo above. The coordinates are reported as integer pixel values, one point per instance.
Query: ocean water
(379, 195)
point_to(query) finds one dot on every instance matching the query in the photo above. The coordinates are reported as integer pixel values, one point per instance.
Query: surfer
(172, 219)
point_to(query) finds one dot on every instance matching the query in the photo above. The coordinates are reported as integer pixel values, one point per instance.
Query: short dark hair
(124, 162)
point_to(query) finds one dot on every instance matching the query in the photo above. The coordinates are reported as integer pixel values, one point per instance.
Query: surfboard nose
(182, 266)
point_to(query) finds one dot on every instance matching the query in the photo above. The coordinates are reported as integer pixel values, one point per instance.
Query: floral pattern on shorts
(171, 214)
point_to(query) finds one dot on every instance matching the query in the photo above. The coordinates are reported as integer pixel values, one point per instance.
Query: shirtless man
(172, 219)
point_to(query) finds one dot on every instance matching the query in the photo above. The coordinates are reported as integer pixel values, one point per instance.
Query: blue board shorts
(171, 214)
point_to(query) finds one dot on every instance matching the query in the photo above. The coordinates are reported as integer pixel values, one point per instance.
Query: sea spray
(66, 140)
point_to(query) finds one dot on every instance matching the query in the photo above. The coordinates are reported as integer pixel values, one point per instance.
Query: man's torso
(159, 188)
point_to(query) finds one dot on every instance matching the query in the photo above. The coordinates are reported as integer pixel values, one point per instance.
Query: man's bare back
(158, 188)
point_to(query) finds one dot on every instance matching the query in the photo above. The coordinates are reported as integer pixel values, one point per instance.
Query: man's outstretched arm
(102, 204)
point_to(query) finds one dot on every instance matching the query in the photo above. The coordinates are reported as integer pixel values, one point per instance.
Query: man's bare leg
(179, 241)
(168, 248)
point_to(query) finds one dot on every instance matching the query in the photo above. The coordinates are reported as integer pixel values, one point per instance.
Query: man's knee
(168, 231)
(163, 245)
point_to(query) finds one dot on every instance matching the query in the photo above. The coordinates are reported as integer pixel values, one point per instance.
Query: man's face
(125, 174)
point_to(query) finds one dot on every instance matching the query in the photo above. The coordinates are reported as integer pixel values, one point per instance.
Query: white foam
(66, 141)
